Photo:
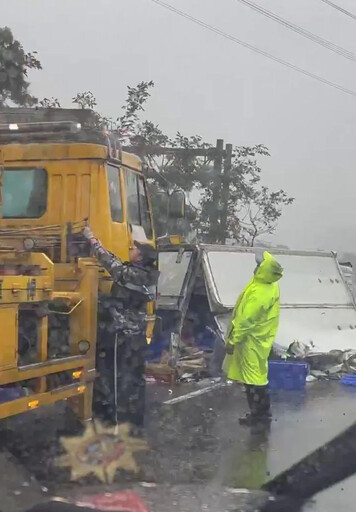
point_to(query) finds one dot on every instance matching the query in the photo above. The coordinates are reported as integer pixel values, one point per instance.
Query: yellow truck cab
(57, 173)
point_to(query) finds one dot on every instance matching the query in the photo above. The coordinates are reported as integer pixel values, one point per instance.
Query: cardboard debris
(161, 372)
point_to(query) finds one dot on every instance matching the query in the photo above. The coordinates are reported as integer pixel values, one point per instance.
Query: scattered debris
(298, 349)
(329, 365)
(161, 372)
(150, 379)
(191, 366)
(310, 378)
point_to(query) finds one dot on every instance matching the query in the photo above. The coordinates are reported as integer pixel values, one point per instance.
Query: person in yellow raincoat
(250, 336)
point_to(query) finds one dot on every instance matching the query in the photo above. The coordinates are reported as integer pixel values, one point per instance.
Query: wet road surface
(198, 449)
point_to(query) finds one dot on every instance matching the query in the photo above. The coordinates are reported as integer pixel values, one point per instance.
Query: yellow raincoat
(253, 326)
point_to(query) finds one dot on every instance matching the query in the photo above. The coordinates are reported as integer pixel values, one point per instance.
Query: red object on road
(122, 501)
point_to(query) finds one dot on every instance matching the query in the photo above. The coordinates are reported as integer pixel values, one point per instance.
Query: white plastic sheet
(309, 279)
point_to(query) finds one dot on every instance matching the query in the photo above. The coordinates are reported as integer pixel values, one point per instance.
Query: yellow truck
(57, 172)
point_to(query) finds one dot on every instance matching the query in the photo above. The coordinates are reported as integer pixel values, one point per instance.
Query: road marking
(193, 394)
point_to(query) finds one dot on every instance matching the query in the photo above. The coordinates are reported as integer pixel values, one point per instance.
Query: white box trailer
(317, 307)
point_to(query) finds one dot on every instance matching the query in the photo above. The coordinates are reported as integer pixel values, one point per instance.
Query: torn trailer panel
(309, 279)
(321, 329)
(176, 265)
(317, 307)
(186, 326)
(179, 267)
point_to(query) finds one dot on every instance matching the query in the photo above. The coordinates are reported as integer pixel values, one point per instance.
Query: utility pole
(216, 192)
(225, 192)
(220, 185)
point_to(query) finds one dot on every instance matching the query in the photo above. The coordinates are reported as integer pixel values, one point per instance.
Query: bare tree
(258, 215)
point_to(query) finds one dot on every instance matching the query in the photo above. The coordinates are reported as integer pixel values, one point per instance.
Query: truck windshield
(24, 193)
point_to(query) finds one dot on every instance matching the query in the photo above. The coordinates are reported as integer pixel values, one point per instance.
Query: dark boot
(259, 404)
(245, 420)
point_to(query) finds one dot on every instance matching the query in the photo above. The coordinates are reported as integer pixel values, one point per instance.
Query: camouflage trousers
(119, 390)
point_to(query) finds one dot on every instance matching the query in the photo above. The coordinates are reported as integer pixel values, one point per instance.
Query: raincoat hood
(269, 271)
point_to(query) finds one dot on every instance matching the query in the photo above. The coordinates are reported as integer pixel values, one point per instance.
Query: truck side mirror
(177, 205)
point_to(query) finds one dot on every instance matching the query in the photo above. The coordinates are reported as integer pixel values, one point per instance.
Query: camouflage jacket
(133, 286)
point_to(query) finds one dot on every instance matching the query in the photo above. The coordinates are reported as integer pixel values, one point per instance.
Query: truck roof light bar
(41, 127)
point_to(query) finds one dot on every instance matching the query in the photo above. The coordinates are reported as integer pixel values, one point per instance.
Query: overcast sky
(210, 86)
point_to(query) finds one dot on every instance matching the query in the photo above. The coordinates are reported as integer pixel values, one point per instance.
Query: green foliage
(50, 103)
(252, 209)
(128, 123)
(87, 100)
(14, 65)
(84, 100)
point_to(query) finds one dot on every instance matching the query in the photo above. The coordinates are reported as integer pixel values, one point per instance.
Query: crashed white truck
(318, 313)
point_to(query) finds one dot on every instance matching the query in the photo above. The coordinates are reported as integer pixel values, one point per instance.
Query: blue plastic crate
(287, 374)
(348, 380)
(154, 350)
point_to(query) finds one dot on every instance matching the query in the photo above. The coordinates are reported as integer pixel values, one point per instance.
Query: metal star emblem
(101, 451)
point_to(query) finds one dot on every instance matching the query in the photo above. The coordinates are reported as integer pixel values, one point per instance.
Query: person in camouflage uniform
(119, 392)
